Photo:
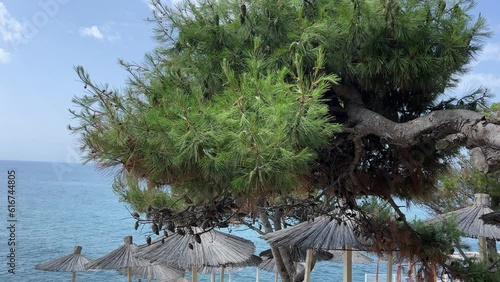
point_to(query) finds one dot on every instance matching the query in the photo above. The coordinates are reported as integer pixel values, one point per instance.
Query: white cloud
(10, 28)
(92, 31)
(100, 32)
(491, 52)
(474, 80)
(4, 56)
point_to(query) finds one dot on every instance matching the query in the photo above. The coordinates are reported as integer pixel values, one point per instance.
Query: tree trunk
(491, 250)
(283, 257)
(280, 266)
(300, 275)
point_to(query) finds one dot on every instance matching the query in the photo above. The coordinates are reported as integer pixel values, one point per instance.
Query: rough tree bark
(449, 127)
(284, 262)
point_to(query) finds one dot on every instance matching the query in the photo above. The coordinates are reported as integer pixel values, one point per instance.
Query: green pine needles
(256, 138)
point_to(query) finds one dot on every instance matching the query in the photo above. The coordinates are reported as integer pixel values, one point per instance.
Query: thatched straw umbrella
(468, 221)
(297, 255)
(269, 264)
(193, 251)
(322, 233)
(123, 257)
(70, 263)
(492, 218)
(253, 261)
(155, 271)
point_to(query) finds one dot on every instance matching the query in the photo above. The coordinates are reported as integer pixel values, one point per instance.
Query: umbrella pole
(483, 256)
(257, 278)
(276, 277)
(376, 269)
(398, 278)
(73, 279)
(212, 278)
(230, 276)
(389, 267)
(194, 273)
(129, 274)
(307, 277)
(222, 274)
(348, 264)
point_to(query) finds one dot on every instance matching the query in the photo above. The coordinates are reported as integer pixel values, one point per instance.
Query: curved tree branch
(461, 127)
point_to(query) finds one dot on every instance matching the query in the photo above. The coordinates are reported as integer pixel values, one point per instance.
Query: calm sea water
(61, 205)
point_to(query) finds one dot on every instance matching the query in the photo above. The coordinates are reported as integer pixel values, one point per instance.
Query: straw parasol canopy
(251, 262)
(70, 263)
(468, 219)
(155, 271)
(123, 257)
(298, 255)
(492, 218)
(322, 233)
(214, 249)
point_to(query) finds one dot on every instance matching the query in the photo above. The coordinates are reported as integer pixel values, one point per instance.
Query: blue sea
(61, 205)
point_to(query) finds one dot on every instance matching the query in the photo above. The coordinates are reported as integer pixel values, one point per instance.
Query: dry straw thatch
(268, 264)
(74, 262)
(323, 233)
(253, 261)
(124, 256)
(182, 251)
(468, 219)
(155, 271)
(336, 232)
(297, 254)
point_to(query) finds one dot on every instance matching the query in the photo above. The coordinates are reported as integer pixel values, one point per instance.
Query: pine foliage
(236, 107)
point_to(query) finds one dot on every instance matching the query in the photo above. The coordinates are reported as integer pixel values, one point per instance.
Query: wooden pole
(194, 273)
(212, 278)
(257, 278)
(483, 249)
(433, 273)
(307, 277)
(398, 276)
(129, 274)
(376, 269)
(276, 277)
(389, 267)
(410, 279)
(222, 273)
(482, 200)
(73, 279)
(348, 264)
(230, 276)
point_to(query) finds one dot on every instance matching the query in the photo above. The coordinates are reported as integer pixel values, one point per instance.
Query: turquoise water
(60, 205)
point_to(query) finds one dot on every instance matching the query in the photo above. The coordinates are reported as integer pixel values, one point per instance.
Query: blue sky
(41, 41)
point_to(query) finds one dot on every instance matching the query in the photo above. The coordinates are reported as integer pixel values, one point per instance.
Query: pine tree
(277, 111)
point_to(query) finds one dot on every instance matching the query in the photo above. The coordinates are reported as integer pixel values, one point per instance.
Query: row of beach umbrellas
(168, 259)
(163, 261)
